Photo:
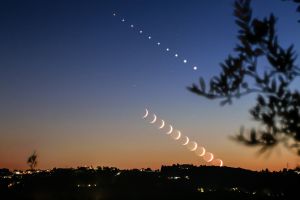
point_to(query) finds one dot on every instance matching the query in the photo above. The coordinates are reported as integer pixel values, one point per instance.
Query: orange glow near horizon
(129, 157)
(141, 147)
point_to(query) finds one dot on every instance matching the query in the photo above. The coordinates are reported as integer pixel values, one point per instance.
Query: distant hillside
(171, 182)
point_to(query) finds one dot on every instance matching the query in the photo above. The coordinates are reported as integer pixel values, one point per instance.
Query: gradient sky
(75, 81)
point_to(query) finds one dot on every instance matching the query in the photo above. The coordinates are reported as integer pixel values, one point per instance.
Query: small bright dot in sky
(158, 43)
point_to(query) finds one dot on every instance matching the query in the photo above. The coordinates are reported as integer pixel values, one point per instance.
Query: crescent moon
(221, 163)
(195, 147)
(202, 152)
(162, 124)
(170, 131)
(211, 157)
(179, 135)
(186, 141)
(147, 112)
(153, 121)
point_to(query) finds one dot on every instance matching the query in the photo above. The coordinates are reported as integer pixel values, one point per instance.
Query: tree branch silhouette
(277, 106)
(32, 160)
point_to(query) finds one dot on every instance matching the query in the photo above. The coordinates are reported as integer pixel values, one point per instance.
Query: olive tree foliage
(32, 160)
(277, 107)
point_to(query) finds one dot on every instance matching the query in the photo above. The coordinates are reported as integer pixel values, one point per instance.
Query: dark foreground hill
(171, 182)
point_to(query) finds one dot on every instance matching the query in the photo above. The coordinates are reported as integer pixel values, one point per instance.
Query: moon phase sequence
(208, 157)
(154, 119)
(170, 131)
(157, 43)
(186, 140)
(200, 151)
(192, 146)
(146, 114)
(162, 124)
(176, 134)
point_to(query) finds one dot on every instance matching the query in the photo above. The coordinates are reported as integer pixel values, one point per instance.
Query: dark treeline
(171, 182)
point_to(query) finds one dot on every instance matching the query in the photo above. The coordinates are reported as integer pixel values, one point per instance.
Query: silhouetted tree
(32, 160)
(277, 106)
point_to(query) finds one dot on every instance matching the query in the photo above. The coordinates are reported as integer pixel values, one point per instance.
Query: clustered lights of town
(107, 181)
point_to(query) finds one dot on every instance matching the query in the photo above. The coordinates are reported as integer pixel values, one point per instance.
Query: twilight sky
(75, 80)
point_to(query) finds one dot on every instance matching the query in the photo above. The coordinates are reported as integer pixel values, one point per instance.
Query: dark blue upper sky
(64, 62)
